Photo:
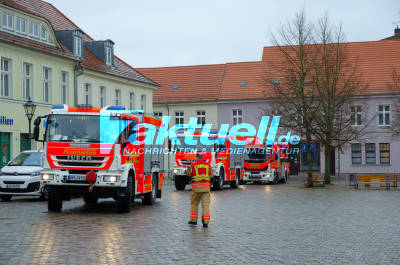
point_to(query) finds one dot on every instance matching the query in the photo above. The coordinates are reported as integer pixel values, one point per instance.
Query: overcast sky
(151, 33)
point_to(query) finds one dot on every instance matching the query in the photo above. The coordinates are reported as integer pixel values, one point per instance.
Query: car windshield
(27, 159)
(73, 128)
(256, 154)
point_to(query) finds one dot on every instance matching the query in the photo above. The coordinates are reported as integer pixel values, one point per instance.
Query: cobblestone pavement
(256, 224)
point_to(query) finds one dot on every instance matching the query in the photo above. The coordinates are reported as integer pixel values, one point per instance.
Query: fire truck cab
(97, 153)
(266, 163)
(226, 164)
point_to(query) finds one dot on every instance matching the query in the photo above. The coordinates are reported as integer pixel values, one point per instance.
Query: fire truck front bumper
(258, 176)
(103, 179)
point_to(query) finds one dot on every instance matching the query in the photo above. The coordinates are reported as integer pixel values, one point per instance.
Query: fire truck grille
(186, 162)
(79, 164)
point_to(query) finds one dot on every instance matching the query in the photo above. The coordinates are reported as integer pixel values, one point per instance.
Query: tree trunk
(327, 173)
(309, 161)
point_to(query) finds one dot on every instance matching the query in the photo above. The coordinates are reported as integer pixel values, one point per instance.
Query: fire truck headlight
(47, 177)
(111, 178)
(175, 171)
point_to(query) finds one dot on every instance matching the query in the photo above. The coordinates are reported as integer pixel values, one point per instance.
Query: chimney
(397, 31)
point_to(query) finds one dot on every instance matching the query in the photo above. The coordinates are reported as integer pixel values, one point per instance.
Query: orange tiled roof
(60, 22)
(195, 83)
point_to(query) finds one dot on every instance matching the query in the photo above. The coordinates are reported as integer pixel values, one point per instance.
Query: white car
(21, 176)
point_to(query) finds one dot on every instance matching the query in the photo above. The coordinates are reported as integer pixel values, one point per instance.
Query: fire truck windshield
(73, 128)
(256, 155)
(199, 147)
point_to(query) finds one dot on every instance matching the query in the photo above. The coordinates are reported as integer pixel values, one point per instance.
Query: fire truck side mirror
(36, 129)
(169, 145)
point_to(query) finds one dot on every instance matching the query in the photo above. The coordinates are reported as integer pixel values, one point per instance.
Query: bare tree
(286, 77)
(394, 87)
(336, 82)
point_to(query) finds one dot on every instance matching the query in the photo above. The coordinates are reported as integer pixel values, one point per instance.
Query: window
(78, 46)
(237, 116)
(8, 21)
(34, 29)
(131, 101)
(158, 114)
(108, 56)
(370, 156)
(64, 88)
(27, 93)
(117, 97)
(179, 117)
(5, 77)
(243, 83)
(143, 102)
(384, 115)
(384, 150)
(201, 117)
(87, 97)
(355, 115)
(355, 154)
(46, 84)
(21, 25)
(102, 96)
(43, 34)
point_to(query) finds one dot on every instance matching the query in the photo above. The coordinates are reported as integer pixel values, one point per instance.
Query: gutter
(78, 71)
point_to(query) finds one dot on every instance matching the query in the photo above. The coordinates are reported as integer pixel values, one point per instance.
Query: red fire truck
(265, 163)
(226, 163)
(97, 153)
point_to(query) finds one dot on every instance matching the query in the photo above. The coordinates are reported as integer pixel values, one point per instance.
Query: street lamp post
(30, 108)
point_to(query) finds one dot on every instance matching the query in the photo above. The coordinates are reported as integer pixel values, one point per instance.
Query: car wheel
(179, 183)
(45, 194)
(125, 197)
(235, 183)
(54, 202)
(5, 198)
(150, 197)
(219, 183)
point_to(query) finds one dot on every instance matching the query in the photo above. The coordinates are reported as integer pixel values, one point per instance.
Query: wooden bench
(367, 180)
(392, 178)
(316, 180)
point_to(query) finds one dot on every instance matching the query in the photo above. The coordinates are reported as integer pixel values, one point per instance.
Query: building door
(294, 159)
(25, 142)
(333, 161)
(5, 148)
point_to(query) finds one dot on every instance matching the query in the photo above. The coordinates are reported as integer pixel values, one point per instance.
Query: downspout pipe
(169, 154)
(78, 71)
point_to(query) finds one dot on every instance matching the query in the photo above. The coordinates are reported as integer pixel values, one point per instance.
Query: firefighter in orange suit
(200, 171)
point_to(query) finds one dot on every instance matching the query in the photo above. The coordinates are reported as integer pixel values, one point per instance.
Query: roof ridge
(134, 69)
(182, 66)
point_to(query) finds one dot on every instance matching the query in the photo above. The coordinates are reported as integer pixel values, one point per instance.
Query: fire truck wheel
(218, 184)
(150, 197)
(179, 183)
(284, 180)
(6, 198)
(125, 199)
(276, 178)
(235, 183)
(54, 202)
(90, 198)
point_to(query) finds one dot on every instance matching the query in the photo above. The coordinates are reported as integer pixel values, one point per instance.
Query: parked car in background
(21, 176)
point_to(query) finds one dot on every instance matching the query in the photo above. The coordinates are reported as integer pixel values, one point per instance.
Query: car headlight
(34, 174)
(47, 177)
(111, 178)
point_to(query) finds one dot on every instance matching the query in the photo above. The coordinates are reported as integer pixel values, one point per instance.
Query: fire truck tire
(54, 202)
(235, 183)
(218, 184)
(276, 178)
(284, 180)
(125, 200)
(90, 198)
(6, 198)
(180, 184)
(150, 197)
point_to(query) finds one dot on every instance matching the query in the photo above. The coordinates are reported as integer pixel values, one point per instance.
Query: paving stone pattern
(255, 224)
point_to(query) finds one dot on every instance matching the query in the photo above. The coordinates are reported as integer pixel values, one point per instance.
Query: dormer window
(243, 83)
(34, 29)
(8, 21)
(109, 55)
(21, 25)
(78, 46)
(43, 34)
